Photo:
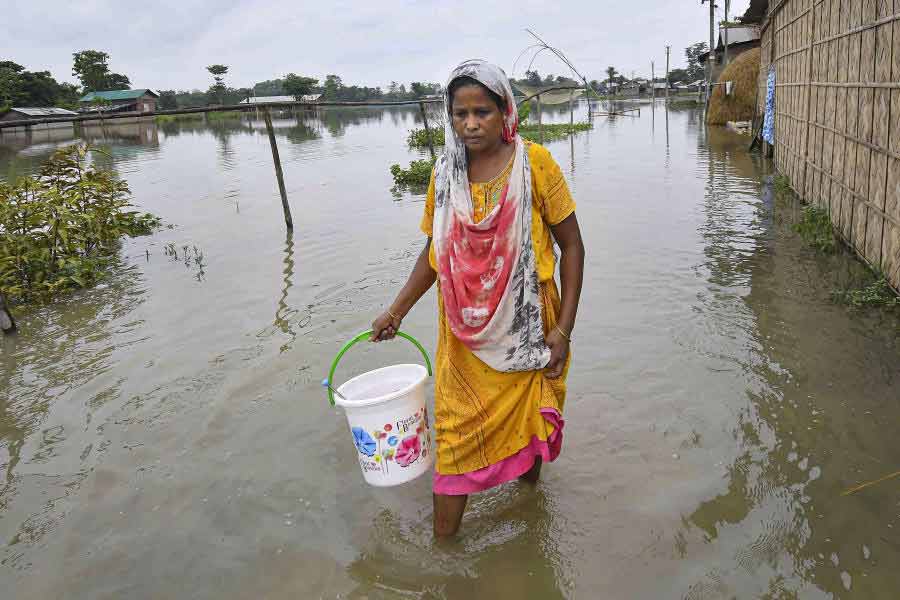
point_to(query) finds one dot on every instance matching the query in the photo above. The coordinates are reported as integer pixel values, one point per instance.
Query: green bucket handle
(360, 337)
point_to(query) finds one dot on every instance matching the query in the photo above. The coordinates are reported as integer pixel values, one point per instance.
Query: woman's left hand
(559, 351)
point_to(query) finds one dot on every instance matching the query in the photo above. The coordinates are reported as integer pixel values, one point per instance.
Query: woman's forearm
(571, 270)
(420, 281)
(571, 274)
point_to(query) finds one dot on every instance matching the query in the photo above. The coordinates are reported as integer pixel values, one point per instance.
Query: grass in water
(173, 118)
(555, 131)
(877, 293)
(218, 116)
(815, 228)
(782, 184)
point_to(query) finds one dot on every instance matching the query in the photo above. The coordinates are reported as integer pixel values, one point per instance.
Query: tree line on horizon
(21, 87)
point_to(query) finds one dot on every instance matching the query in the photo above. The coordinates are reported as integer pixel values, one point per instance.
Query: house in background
(741, 38)
(120, 101)
(280, 99)
(19, 114)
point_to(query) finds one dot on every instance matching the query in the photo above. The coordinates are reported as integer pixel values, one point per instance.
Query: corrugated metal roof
(738, 35)
(45, 111)
(113, 95)
(273, 99)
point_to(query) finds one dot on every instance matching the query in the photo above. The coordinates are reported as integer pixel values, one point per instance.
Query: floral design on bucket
(363, 441)
(408, 451)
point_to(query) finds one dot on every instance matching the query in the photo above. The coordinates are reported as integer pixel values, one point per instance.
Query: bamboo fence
(837, 115)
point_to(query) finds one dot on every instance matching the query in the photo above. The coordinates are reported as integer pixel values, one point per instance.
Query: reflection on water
(720, 402)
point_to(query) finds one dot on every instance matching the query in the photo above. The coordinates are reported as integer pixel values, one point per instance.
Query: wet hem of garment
(507, 469)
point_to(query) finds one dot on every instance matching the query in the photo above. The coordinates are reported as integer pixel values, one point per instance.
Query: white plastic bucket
(388, 418)
(389, 422)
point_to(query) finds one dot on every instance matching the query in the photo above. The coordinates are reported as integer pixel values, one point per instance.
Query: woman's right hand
(385, 327)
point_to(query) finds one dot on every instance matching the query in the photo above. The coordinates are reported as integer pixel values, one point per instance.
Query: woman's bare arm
(571, 274)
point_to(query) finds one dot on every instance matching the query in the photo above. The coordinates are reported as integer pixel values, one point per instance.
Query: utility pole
(652, 80)
(712, 43)
(668, 51)
(725, 30)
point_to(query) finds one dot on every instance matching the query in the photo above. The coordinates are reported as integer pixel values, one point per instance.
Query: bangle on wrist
(564, 334)
(393, 316)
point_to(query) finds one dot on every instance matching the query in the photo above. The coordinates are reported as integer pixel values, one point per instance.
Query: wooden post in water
(7, 324)
(427, 130)
(540, 122)
(668, 52)
(288, 221)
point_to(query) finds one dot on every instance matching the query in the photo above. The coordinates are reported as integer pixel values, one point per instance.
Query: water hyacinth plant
(61, 229)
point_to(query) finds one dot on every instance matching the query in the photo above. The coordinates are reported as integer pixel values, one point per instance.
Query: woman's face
(476, 119)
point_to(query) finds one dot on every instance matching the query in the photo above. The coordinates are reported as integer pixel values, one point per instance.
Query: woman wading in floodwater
(494, 207)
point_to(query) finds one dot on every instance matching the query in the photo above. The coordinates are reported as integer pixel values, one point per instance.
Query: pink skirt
(507, 469)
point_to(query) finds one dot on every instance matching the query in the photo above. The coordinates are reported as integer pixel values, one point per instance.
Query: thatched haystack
(741, 104)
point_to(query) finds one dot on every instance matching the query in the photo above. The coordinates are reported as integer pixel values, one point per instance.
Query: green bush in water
(418, 173)
(877, 293)
(418, 138)
(62, 228)
(815, 228)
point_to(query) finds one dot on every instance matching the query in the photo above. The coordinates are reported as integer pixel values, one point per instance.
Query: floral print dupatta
(486, 270)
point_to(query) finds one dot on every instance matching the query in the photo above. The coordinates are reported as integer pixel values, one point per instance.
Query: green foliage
(877, 293)
(218, 88)
(695, 69)
(223, 115)
(19, 87)
(611, 74)
(167, 100)
(161, 119)
(782, 184)
(298, 86)
(270, 87)
(418, 138)
(556, 131)
(91, 67)
(61, 229)
(418, 173)
(816, 229)
(524, 112)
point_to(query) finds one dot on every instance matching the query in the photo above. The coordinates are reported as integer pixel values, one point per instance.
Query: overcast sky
(166, 44)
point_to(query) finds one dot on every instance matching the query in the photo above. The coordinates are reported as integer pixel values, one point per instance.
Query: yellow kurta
(482, 416)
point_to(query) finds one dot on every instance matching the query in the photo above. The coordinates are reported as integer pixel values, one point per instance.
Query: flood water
(165, 435)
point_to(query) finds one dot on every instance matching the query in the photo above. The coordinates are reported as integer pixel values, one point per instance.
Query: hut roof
(113, 95)
(44, 111)
(738, 34)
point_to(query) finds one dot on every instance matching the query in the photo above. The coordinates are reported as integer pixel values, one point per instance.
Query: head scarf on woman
(486, 270)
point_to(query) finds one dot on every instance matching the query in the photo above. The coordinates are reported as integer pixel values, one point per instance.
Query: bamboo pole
(288, 221)
(7, 323)
(571, 111)
(540, 122)
(427, 129)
